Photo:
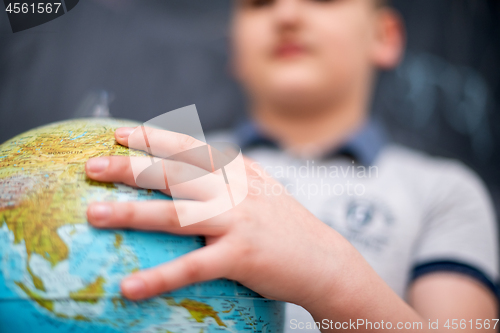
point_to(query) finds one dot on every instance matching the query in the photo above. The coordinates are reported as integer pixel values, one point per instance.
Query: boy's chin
(296, 100)
(299, 89)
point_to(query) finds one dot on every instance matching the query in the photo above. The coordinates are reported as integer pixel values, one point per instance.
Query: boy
(412, 241)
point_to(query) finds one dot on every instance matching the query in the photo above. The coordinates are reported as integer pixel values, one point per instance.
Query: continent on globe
(58, 274)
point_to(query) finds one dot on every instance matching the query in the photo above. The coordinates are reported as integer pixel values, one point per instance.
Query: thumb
(208, 263)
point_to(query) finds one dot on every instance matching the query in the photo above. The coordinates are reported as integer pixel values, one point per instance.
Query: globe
(59, 274)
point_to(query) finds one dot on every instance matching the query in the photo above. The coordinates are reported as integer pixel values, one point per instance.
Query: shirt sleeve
(459, 231)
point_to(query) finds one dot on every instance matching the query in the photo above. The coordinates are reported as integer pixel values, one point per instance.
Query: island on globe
(58, 274)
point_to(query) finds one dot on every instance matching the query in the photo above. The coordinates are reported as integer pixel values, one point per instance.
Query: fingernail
(100, 212)
(134, 288)
(97, 164)
(124, 132)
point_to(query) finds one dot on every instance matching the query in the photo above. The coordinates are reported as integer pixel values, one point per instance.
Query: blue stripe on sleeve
(457, 267)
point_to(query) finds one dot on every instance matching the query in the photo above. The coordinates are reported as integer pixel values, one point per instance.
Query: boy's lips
(289, 50)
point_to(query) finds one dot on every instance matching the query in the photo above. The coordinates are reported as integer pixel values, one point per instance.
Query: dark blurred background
(154, 56)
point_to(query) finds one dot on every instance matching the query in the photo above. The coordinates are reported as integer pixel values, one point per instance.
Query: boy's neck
(311, 131)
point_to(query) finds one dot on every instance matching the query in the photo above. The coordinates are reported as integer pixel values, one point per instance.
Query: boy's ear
(389, 39)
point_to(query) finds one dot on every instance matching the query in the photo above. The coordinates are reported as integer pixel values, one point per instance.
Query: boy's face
(300, 52)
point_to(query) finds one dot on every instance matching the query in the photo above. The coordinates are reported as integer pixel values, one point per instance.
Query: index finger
(159, 142)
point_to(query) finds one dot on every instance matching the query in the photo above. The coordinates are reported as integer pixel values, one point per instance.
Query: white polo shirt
(407, 213)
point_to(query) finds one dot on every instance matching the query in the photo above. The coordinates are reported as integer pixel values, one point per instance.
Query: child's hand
(269, 242)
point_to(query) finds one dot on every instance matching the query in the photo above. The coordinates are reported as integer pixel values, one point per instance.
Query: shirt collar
(363, 146)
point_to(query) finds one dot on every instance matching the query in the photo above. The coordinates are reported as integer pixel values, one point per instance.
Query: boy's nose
(287, 12)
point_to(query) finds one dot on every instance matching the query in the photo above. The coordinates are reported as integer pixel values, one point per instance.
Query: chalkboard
(158, 55)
